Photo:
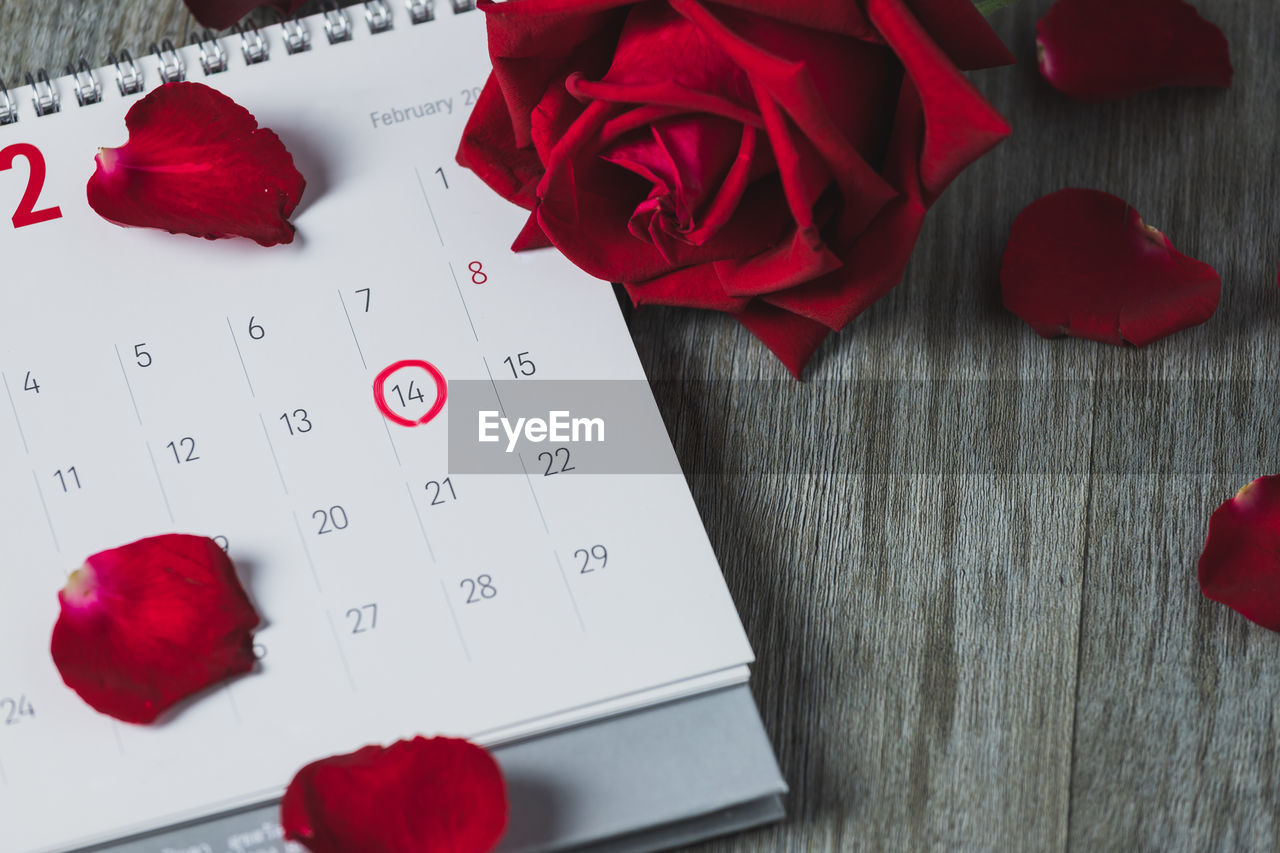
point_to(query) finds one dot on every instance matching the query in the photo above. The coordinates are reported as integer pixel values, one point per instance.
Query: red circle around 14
(380, 391)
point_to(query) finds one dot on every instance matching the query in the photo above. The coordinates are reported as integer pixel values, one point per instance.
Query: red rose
(769, 158)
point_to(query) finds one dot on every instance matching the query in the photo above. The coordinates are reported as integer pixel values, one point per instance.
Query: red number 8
(478, 275)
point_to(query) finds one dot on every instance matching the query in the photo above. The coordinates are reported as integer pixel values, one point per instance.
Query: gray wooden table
(965, 555)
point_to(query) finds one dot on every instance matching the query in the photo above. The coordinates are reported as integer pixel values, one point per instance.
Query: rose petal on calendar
(1240, 564)
(221, 14)
(197, 163)
(146, 625)
(425, 794)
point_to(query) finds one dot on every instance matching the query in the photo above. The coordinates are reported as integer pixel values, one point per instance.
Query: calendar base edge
(728, 821)
(660, 777)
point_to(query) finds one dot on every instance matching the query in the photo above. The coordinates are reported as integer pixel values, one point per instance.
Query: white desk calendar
(156, 383)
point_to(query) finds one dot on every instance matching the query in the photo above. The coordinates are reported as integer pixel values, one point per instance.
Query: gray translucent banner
(553, 427)
(908, 427)
(1015, 427)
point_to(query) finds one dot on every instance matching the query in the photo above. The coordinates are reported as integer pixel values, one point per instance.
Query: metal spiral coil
(172, 68)
(213, 59)
(128, 74)
(45, 97)
(8, 106)
(85, 84)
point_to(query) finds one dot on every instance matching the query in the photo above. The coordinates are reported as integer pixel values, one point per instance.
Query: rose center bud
(697, 168)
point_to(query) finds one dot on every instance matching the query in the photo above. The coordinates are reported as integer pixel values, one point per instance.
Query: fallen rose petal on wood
(1102, 50)
(197, 163)
(1240, 565)
(150, 623)
(427, 795)
(1081, 263)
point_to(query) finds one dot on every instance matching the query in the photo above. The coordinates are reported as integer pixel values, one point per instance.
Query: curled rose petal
(147, 624)
(1240, 565)
(1101, 50)
(425, 795)
(197, 163)
(1082, 263)
(221, 14)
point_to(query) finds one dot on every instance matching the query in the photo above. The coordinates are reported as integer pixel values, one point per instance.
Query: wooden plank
(51, 33)
(904, 534)
(1176, 735)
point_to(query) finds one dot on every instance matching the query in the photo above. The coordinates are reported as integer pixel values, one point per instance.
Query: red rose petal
(960, 124)
(961, 30)
(877, 258)
(488, 148)
(531, 236)
(1101, 50)
(422, 795)
(844, 18)
(1082, 263)
(691, 287)
(147, 624)
(197, 163)
(1240, 565)
(935, 135)
(221, 14)
(533, 41)
(792, 338)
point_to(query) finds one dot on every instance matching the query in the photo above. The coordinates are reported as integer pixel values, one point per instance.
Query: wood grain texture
(965, 555)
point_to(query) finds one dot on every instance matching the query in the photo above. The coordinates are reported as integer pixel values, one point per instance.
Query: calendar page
(157, 383)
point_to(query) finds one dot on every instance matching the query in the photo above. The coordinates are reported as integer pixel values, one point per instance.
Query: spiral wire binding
(297, 38)
(45, 98)
(337, 26)
(420, 11)
(8, 106)
(170, 67)
(87, 88)
(378, 15)
(213, 59)
(252, 45)
(128, 74)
